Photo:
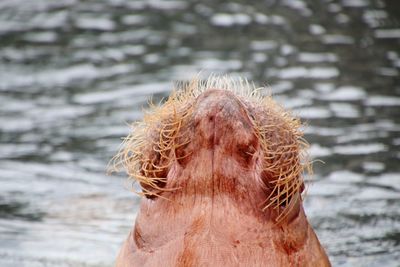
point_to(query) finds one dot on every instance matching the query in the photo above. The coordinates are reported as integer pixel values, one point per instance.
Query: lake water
(74, 73)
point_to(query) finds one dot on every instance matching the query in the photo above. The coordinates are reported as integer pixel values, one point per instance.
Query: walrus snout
(222, 119)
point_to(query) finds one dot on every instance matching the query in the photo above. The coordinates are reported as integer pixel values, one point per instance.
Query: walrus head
(249, 140)
(220, 166)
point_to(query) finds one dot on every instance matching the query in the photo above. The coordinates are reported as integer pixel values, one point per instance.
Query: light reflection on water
(73, 73)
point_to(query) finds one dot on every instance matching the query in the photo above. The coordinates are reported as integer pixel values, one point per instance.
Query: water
(73, 73)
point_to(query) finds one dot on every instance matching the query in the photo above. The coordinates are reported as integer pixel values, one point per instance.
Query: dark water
(73, 73)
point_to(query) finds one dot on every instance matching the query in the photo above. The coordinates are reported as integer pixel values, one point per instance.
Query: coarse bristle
(284, 149)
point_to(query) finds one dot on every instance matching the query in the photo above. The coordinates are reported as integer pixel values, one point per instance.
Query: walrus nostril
(246, 152)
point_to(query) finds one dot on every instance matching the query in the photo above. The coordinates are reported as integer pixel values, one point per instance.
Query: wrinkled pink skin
(215, 218)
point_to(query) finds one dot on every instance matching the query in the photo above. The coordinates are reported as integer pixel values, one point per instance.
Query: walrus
(220, 166)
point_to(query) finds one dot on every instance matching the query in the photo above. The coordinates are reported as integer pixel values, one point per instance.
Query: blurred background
(73, 74)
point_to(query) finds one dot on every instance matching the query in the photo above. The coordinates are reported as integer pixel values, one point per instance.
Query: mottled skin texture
(215, 217)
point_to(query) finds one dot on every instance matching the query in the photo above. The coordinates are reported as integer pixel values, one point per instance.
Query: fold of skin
(214, 215)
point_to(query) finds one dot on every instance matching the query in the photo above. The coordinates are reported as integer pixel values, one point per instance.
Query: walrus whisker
(161, 167)
(284, 165)
(151, 181)
(287, 191)
(184, 156)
